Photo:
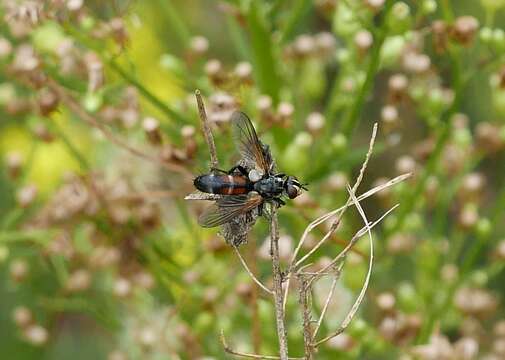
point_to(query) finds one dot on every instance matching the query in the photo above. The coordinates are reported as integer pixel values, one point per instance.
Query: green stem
(147, 94)
(72, 149)
(350, 122)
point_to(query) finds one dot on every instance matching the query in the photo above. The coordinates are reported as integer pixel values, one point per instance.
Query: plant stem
(303, 299)
(350, 123)
(277, 277)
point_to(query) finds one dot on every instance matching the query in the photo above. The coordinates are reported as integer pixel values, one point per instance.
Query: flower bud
(243, 71)
(36, 335)
(464, 29)
(79, 280)
(315, 122)
(375, 5)
(22, 316)
(151, 127)
(397, 86)
(122, 287)
(215, 72)
(363, 41)
(26, 195)
(14, 162)
(199, 45)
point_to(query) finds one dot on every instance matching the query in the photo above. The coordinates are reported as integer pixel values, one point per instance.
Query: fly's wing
(229, 207)
(248, 144)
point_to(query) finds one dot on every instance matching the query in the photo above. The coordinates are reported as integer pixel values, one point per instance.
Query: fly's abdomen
(222, 184)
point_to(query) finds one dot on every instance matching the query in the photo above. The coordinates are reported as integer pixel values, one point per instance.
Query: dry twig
(214, 163)
(361, 295)
(277, 277)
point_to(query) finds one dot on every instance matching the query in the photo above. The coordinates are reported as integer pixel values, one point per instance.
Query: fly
(246, 187)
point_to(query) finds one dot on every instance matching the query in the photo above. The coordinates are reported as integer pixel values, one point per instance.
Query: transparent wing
(227, 208)
(248, 144)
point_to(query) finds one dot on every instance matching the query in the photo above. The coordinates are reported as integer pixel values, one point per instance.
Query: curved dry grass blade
(361, 295)
(254, 278)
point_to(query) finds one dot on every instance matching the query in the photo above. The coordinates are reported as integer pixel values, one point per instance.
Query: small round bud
(74, 5)
(117, 355)
(285, 111)
(22, 316)
(389, 116)
(147, 337)
(243, 71)
(315, 122)
(464, 29)
(26, 195)
(199, 45)
(215, 72)
(36, 335)
(468, 216)
(416, 63)
(79, 280)
(151, 127)
(449, 273)
(19, 270)
(363, 41)
(429, 6)
(14, 162)
(337, 181)
(339, 142)
(5, 48)
(144, 279)
(386, 301)
(405, 164)
(304, 45)
(398, 84)
(122, 288)
(375, 5)
(325, 43)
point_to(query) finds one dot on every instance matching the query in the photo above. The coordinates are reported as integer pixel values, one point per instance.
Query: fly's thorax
(269, 186)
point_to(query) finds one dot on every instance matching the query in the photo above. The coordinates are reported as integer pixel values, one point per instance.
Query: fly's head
(293, 187)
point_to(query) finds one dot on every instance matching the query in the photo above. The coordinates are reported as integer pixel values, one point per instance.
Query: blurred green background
(100, 256)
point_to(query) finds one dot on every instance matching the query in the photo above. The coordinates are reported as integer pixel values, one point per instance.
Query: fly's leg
(260, 210)
(216, 170)
(279, 202)
(240, 168)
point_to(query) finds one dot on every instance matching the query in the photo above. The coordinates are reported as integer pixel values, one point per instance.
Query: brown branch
(277, 278)
(214, 163)
(76, 108)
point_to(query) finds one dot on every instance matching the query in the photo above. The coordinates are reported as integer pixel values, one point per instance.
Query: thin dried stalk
(361, 295)
(277, 278)
(76, 108)
(229, 350)
(214, 163)
(335, 224)
(327, 302)
(355, 239)
(254, 278)
(303, 299)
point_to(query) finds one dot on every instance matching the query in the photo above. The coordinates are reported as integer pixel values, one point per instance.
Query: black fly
(246, 187)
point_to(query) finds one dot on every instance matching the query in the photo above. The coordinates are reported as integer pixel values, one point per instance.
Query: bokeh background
(100, 255)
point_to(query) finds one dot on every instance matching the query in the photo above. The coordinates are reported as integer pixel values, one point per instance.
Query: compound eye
(292, 191)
